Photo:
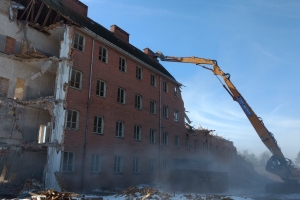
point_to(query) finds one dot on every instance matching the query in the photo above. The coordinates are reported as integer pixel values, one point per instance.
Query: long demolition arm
(266, 136)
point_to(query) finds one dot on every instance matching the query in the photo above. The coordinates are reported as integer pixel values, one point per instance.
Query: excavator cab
(279, 166)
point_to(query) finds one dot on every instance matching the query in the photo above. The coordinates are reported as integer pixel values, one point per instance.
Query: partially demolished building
(81, 108)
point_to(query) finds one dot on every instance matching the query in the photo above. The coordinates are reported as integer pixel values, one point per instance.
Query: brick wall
(108, 145)
(10, 45)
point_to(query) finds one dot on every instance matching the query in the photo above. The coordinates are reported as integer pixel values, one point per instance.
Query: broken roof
(104, 33)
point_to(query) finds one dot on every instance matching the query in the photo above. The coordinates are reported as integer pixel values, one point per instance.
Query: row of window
(76, 82)
(68, 164)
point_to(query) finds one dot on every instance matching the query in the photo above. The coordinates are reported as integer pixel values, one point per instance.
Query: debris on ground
(52, 194)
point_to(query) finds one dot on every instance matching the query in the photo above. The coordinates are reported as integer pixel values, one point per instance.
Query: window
(138, 102)
(122, 64)
(138, 73)
(137, 133)
(204, 147)
(43, 134)
(152, 107)
(79, 42)
(187, 143)
(68, 162)
(152, 136)
(176, 116)
(210, 148)
(153, 80)
(177, 141)
(101, 88)
(217, 150)
(165, 112)
(165, 166)
(165, 139)
(175, 92)
(152, 166)
(98, 125)
(196, 145)
(103, 54)
(76, 78)
(136, 165)
(121, 95)
(165, 86)
(118, 165)
(96, 163)
(4, 83)
(72, 119)
(20, 87)
(120, 129)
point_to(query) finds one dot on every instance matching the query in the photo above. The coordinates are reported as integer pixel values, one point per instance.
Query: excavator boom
(277, 164)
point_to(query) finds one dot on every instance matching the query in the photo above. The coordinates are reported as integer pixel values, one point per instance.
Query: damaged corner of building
(35, 62)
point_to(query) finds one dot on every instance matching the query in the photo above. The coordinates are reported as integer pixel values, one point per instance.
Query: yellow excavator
(277, 164)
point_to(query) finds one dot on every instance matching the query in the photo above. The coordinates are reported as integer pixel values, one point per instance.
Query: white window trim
(125, 64)
(152, 136)
(154, 107)
(77, 120)
(118, 165)
(187, 144)
(94, 164)
(106, 56)
(136, 165)
(137, 70)
(166, 139)
(99, 89)
(83, 45)
(124, 98)
(154, 80)
(137, 133)
(62, 162)
(138, 105)
(118, 131)
(80, 83)
(166, 112)
(177, 141)
(102, 125)
(165, 86)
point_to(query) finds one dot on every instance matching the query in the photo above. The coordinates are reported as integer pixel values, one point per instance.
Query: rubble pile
(136, 193)
(11, 187)
(31, 185)
(52, 194)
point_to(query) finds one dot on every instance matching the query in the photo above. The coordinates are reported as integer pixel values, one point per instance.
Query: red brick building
(120, 117)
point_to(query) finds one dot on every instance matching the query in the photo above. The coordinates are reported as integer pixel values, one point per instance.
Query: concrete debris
(29, 145)
(32, 185)
(52, 194)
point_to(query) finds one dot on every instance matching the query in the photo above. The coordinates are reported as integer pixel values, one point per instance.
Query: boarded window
(20, 86)
(4, 83)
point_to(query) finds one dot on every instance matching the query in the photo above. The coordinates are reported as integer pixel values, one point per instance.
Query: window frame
(101, 56)
(75, 81)
(165, 139)
(71, 122)
(95, 164)
(196, 145)
(138, 102)
(136, 165)
(165, 86)
(177, 141)
(99, 88)
(152, 136)
(118, 164)
(176, 92)
(102, 125)
(176, 115)
(137, 133)
(152, 166)
(4, 82)
(122, 68)
(120, 99)
(67, 164)
(166, 112)
(153, 80)
(120, 129)
(187, 143)
(139, 73)
(76, 43)
(152, 107)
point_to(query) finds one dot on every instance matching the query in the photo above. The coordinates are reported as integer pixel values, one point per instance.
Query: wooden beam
(26, 9)
(32, 5)
(39, 12)
(47, 17)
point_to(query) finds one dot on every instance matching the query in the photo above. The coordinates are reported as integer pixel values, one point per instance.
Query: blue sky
(257, 42)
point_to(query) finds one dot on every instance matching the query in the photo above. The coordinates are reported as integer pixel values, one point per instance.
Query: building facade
(88, 110)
